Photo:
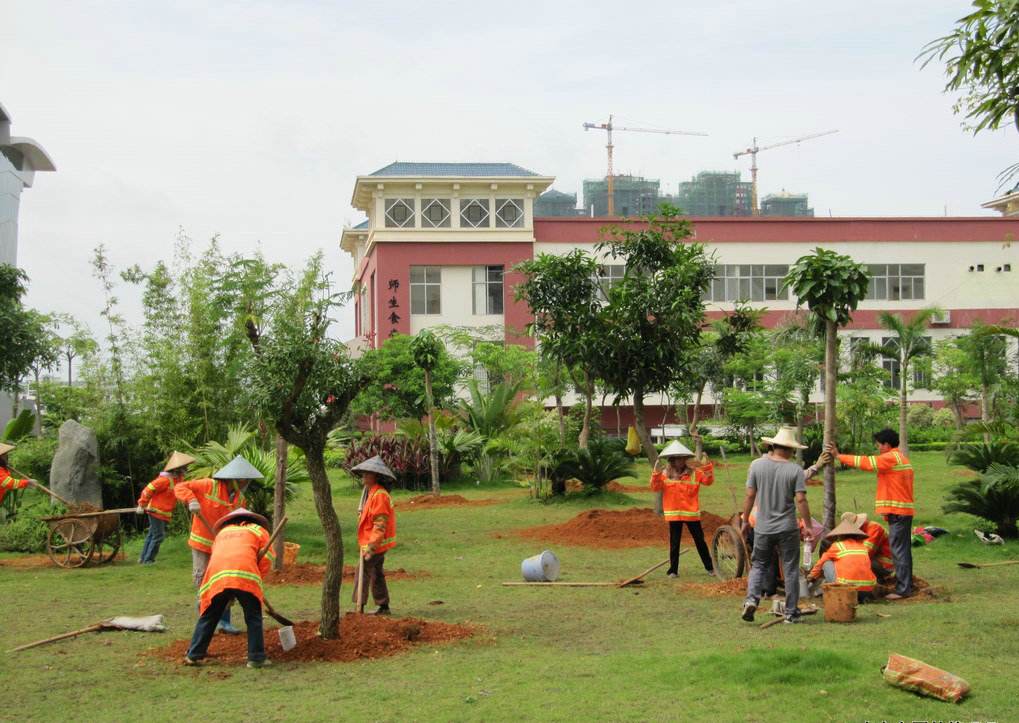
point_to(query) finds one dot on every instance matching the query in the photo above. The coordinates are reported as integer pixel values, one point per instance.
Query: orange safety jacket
(8, 483)
(681, 497)
(376, 527)
(894, 480)
(235, 564)
(216, 500)
(878, 545)
(852, 564)
(158, 498)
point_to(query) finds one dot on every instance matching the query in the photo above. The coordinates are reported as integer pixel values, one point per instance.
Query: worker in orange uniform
(240, 557)
(376, 532)
(877, 544)
(847, 561)
(8, 482)
(680, 484)
(208, 500)
(157, 500)
(894, 500)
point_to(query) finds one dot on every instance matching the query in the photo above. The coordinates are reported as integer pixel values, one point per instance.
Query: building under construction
(633, 196)
(786, 204)
(556, 203)
(715, 193)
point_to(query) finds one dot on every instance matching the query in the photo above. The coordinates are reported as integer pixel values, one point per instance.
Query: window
(474, 212)
(920, 365)
(609, 275)
(435, 212)
(488, 289)
(399, 212)
(893, 282)
(509, 213)
(363, 307)
(749, 282)
(425, 282)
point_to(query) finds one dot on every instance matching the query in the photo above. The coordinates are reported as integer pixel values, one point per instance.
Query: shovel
(974, 565)
(288, 641)
(150, 624)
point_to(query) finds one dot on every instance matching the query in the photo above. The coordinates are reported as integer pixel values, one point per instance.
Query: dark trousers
(375, 580)
(787, 544)
(900, 538)
(155, 537)
(771, 574)
(676, 534)
(207, 622)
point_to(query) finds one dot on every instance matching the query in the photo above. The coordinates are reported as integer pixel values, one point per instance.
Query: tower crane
(755, 149)
(608, 128)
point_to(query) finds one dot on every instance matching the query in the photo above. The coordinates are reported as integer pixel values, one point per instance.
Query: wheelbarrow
(76, 538)
(730, 553)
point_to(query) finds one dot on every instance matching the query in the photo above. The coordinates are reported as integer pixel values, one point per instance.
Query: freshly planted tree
(428, 351)
(987, 360)
(952, 378)
(794, 366)
(832, 286)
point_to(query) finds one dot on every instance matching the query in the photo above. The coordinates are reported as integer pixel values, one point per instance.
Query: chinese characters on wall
(394, 306)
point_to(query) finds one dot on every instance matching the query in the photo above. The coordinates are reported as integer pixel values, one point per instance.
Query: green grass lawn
(653, 653)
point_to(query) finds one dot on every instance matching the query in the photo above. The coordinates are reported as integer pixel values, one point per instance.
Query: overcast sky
(251, 119)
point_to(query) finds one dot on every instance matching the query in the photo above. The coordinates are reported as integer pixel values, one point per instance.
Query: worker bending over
(376, 533)
(680, 483)
(240, 557)
(157, 500)
(8, 482)
(877, 544)
(847, 561)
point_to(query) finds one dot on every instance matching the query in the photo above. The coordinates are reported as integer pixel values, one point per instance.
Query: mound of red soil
(614, 486)
(28, 561)
(737, 587)
(361, 637)
(303, 573)
(429, 501)
(612, 529)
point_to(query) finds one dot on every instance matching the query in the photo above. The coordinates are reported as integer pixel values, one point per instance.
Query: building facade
(556, 203)
(632, 196)
(411, 274)
(715, 193)
(786, 204)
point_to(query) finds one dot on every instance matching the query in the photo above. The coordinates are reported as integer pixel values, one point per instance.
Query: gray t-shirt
(777, 483)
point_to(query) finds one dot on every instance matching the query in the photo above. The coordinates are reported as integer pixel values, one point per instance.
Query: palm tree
(909, 343)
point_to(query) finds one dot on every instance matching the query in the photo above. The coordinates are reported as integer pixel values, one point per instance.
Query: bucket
(840, 603)
(290, 550)
(541, 568)
(288, 641)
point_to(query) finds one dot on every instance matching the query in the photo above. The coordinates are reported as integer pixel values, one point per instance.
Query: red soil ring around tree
(362, 637)
(303, 573)
(737, 587)
(616, 529)
(428, 501)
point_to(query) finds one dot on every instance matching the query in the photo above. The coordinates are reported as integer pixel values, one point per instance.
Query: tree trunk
(957, 411)
(279, 499)
(799, 436)
(903, 408)
(752, 439)
(433, 442)
(645, 439)
(585, 427)
(69, 358)
(830, 375)
(698, 443)
(38, 407)
(559, 405)
(329, 627)
(985, 409)
(619, 421)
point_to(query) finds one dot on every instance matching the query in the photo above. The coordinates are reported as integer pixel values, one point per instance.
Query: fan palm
(993, 497)
(595, 466)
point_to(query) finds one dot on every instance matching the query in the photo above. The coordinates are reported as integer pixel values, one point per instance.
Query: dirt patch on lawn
(303, 573)
(614, 486)
(361, 637)
(615, 529)
(430, 501)
(737, 587)
(27, 561)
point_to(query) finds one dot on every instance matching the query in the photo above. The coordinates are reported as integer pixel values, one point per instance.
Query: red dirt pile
(429, 501)
(361, 637)
(614, 486)
(303, 573)
(612, 529)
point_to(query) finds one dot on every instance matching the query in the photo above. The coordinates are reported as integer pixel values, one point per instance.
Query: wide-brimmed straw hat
(240, 514)
(676, 448)
(239, 468)
(847, 529)
(177, 460)
(859, 519)
(5, 448)
(373, 464)
(786, 437)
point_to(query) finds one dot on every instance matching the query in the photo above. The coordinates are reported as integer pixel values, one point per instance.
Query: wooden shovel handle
(45, 489)
(73, 633)
(272, 538)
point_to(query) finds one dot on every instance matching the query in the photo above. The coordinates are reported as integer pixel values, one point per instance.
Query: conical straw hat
(240, 512)
(178, 460)
(374, 464)
(5, 448)
(847, 529)
(786, 437)
(238, 468)
(676, 448)
(858, 519)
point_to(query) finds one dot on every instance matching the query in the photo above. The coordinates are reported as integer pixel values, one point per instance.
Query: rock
(74, 474)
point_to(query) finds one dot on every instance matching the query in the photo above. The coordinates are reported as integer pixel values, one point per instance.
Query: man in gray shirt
(778, 486)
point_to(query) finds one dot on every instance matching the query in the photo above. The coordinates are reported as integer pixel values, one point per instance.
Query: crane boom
(753, 150)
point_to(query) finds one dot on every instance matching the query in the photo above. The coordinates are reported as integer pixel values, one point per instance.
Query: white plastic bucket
(541, 568)
(288, 641)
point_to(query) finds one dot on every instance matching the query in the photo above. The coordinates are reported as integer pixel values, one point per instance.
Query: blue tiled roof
(458, 170)
(361, 226)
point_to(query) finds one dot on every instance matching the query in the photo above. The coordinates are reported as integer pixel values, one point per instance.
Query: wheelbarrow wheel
(70, 543)
(108, 547)
(728, 553)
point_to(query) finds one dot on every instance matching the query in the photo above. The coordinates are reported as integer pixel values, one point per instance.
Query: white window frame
(609, 275)
(481, 286)
(501, 204)
(430, 276)
(748, 282)
(889, 283)
(466, 204)
(444, 204)
(392, 203)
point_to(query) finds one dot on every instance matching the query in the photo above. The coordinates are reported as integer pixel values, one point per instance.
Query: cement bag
(632, 442)
(910, 674)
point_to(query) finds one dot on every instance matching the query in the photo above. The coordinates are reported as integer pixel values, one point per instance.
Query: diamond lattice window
(474, 213)
(399, 212)
(509, 213)
(435, 213)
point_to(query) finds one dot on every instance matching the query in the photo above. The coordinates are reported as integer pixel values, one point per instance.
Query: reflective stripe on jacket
(894, 480)
(878, 545)
(681, 497)
(376, 527)
(158, 498)
(8, 483)
(852, 564)
(234, 564)
(215, 500)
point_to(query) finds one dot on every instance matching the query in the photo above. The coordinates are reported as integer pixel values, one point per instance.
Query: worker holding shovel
(8, 482)
(234, 572)
(208, 500)
(376, 533)
(157, 500)
(680, 483)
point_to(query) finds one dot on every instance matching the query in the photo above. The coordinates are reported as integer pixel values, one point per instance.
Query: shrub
(408, 458)
(993, 497)
(595, 466)
(19, 427)
(27, 533)
(920, 415)
(33, 457)
(981, 456)
(943, 418)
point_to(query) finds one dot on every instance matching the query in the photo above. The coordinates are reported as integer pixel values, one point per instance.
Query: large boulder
(74, 474)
